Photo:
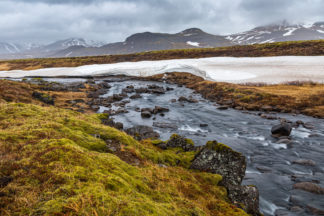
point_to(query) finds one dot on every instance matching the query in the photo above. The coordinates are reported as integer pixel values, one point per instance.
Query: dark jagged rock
(97, 93)
(110, 122)
(128, 90)
(5, 180)
(154, 86)
(177, 141)
(221, 159)
(141, 90)
(104, 85)
(158, 109)
(203, 125)
(140, 132)
(245, 197)
(135, 96)
(158, 91)
(43, 97)
(282, 129)
(189, 100)
(225, 107)
(146, 114)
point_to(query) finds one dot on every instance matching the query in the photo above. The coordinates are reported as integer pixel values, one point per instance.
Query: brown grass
(20, 92)
(306, 98)
(299, 48)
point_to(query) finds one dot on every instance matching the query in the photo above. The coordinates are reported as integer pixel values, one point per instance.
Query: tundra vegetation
(55, 161)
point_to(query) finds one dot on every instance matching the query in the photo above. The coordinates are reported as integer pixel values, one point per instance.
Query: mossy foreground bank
(294, 48)
(56, 162)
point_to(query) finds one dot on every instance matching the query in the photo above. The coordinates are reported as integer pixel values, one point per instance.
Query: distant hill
(148, 41)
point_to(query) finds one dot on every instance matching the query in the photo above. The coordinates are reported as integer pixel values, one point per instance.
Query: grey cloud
(114, 20)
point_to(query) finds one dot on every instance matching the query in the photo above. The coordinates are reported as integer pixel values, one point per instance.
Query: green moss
(219, 147)
(59, 164)
(189, 142)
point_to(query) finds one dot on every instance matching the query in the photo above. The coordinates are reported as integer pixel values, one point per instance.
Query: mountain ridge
(150, 41)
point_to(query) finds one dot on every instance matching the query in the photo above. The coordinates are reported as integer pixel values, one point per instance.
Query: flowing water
(270, 165)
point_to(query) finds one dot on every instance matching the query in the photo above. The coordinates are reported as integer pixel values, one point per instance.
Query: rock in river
(282, 129)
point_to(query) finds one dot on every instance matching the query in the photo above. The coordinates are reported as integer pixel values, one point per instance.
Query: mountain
(148, 41)
(278, 33)
(71, 42)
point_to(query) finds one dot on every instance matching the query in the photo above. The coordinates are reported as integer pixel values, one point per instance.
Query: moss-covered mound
(56, 162)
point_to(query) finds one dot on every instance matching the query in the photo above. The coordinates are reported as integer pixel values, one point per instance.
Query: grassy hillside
(299, 48)
(56, 161)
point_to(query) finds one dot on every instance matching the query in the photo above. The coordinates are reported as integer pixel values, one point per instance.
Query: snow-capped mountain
(279, 32)
(148, 41)
(70, 42)
(9, 48)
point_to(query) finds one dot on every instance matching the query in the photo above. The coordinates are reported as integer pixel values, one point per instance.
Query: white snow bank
(227, 69)
(196, 44)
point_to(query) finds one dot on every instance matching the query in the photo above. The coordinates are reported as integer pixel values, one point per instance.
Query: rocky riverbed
(288, 171)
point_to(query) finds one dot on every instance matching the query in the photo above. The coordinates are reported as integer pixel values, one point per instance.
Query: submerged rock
(304, 162)
(309, 187)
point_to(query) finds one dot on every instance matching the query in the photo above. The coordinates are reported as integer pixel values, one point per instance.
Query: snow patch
(196, 44)
(320, 31)
(225, 69)
(289, 32)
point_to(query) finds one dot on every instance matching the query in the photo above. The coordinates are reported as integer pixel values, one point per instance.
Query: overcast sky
(113, 20)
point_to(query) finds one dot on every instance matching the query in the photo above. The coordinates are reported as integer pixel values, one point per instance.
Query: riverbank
(295, 97)
(58, 158)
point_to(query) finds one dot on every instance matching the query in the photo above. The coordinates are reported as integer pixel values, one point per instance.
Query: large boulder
(245, 197)
(140, 132)
(218, 158)
(283, 129)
